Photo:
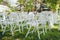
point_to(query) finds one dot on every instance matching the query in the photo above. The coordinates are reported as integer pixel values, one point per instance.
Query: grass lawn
(53, 34)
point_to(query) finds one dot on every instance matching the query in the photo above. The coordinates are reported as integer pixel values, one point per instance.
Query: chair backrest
(42, 18)
(14, 16)
(31, 16)
(22, 16)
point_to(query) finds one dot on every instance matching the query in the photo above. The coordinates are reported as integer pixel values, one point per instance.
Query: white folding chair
(42, 20)
(4, 10)
(32, 22)
(13, 18)
(22, 18)
(58, 20)
(50, 18)
(2, 21)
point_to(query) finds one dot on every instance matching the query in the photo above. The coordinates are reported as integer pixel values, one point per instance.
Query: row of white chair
(31, 19)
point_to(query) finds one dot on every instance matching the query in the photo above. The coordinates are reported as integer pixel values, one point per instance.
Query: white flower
(4, 8)
(13, 3)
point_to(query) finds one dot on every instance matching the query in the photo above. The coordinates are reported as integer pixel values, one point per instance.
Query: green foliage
(29, 5)
(21, 1)
(1, 1)
(54, 4)
(53, 34)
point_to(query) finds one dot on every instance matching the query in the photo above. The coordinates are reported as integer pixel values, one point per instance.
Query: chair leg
(33, 30)
(2, 26)
(19, 28)
(4, 30)
(43, 27)
(27, 27)
(51, 25)
(22, 26)
(59, 26)
(28, 32)
(12, 30)
(38, 32)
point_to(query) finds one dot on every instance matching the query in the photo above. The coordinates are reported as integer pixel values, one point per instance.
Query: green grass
(53, 34)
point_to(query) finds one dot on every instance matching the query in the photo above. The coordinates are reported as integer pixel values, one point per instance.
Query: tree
(53, 4)
(1, 1)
